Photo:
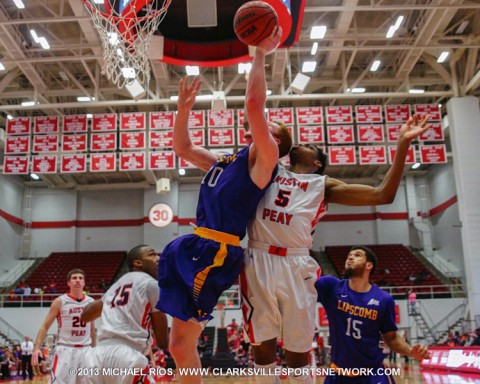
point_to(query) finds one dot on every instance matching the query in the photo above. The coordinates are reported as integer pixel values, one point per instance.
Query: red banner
(219, 137)
(44, 164)
(104, 122)
(161, 139)
(74, 143)
(310, 134)
(368, 113)
(103, 162)
(45, 124)
(322, 317)
(18, 126)
(373, 154)
(393, 132)
(309, 115)
(74, 163)
(398, 113)
(15, 165)
(162, 160)
(392, 150)
(160, 120)
(370, 133)
(433, 154)
(182, 163)
(196, 119)
(433, 133)
(17, 145)
(220, 118)
(428, 109)
(74, 123)
(344, 155)
(458, 359)
(103, 142)
(132, 140)
(241, 137)
(132, 121)
(132, 161)
(45, 143)
(197, 136)
(341, 114)
(338, 134)
(240, 117)
(285, 115)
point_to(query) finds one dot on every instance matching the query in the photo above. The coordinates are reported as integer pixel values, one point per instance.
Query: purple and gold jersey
(356, 321)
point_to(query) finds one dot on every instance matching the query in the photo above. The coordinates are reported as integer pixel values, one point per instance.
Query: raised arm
(182, 144)
(265, 147)
(42, 331)
(357, 194)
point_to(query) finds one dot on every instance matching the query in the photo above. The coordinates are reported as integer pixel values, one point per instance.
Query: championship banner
(240, 117)
(74, 143)
(341, 114)
(44, 164)
(103, 141)
(161, 160)
(45, 143)
(393, 132)
(368, 114)
(45, 124)
(132, 121)
(73, 163)
(104, 122)
(182, 163)
(132, 161)
(339, 134)
(132, 140)
(74, 123)
(398, 113)
(161, 120)
(17, 145)
(410, 159)
(241, 137)
(161, 139)
(428, 109)
(309, 115)
(310, 134)
(103, 162)
(433, 133)
(18, 126)
(373, 154)
(220, 137)
(220, 119)
(197, 136)
(370, 133)
(344, 155)
(196, 119)
(15, 165)
(285, 115)
(433, 154)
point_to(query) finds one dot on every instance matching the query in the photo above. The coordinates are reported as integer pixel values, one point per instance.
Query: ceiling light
(416, 91)
(35, 36)
(358, 90)
(34, 176)
(9, 117)
(174, 98)
(85, 98)
(89, 115)
(28, 103)
(44, 43)
(63, 75)
(443, 56)
(391, 32)
(398, 22)
(19, 4)
(2, 67)
(269, 92)
(192, 70)
(318, 32)
(314, 48)
(375, 65)
(181, 172)
(309, 66)
(244, 68)
(204, 97)
(461, 28)
(128, 73)
(416, 165)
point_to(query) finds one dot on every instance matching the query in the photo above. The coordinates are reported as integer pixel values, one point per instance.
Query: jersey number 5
(283, 198)
(122, 294)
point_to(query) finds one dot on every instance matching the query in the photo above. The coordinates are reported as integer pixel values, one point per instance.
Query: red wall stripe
(444, 206)
(11, 218)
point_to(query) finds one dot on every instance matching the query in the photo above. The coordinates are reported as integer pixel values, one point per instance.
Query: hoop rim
(93, 9)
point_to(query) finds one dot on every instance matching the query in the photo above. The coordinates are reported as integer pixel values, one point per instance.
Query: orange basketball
(254, 21)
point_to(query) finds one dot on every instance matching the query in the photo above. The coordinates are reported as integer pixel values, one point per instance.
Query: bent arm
(42, 331)
(160, 328)
(398, 344)
(92, 311)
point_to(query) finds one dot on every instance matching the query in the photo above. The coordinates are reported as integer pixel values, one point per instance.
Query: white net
(126, 29)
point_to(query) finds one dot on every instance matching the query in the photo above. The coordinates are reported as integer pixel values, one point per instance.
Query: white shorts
(65, 361)
(279, 298)
(109, 365)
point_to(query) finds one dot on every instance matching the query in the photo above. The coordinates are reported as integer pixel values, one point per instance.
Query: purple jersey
(356, 321)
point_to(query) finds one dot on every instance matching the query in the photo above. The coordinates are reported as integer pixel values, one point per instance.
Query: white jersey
(71, 330)
(126, 311)
(289, 211)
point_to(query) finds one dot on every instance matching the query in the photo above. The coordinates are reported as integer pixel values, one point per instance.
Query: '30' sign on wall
(160, 215)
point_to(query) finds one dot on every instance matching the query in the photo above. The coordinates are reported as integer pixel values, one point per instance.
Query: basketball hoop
(126, 28)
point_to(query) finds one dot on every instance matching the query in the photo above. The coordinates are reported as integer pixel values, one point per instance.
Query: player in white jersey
(279, 297)
(128, 314)
(74, 336)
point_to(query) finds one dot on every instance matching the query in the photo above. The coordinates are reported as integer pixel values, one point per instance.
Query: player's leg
(183, 347)
(265, 358)
(300, 362)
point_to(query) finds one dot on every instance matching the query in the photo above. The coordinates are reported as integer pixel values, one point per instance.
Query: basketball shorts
(117, 364)
(279, 297)
(194, 270)
(64, 360)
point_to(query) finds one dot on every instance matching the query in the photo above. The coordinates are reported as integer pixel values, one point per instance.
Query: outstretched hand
(419, 352)
(413, 128)
(187, 92)
(271, 42)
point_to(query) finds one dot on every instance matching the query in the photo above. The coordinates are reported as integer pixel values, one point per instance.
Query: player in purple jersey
(360, 315)
(195, 269)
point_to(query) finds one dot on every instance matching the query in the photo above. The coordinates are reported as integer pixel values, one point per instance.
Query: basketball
(254, 21)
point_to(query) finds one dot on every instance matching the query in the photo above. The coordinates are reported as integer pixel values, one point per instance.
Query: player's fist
(420, 352)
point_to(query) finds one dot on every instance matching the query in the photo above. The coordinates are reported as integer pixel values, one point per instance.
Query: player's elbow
(180, 149)
(254, 100)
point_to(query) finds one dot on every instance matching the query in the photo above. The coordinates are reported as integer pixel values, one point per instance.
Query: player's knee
(181, 348)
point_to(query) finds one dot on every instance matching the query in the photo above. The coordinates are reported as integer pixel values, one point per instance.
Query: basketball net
(126, 28)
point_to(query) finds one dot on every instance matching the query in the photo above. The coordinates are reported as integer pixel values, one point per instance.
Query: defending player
(358, 313)
(128, 313)
(74, 336)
